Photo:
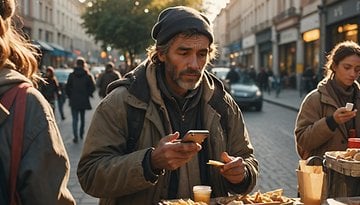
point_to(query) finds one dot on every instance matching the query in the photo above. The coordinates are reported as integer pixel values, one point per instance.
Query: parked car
(62, 74)
(97, 70)
(245, 91)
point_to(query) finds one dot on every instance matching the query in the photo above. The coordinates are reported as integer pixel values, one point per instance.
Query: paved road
(271, 133)
(74, 151)
(272, 139)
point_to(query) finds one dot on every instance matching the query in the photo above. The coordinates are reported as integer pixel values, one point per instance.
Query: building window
(40, 33)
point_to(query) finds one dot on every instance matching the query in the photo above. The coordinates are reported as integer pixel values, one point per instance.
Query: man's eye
(203, 54)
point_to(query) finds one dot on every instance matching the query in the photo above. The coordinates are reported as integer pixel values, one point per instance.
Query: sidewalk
(289, 98)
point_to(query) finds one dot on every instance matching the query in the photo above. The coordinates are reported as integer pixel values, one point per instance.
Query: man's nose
(193, 62)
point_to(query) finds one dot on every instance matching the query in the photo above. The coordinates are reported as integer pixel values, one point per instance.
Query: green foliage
(125, 24)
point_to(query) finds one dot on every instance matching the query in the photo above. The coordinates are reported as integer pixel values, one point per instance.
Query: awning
(58, 50)
(42, 45)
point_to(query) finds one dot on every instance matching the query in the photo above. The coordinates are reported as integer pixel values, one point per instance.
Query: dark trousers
(75, 116)
(61, 102)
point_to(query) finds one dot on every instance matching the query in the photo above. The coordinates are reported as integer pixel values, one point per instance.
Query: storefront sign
(343, 10)
(310, 22)
(248, 41)
(288, 36)
(263, 37)
(312, 35)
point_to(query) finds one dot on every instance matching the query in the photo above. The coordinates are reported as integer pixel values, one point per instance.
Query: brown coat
(104, 170)
(312, 134)
(44, 167)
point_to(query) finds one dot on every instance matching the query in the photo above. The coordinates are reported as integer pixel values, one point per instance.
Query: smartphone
(197, 136)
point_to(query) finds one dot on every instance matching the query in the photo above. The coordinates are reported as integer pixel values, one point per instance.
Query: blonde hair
(15, 51)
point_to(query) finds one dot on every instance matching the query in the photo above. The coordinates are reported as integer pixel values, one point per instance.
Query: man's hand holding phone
(197, 136)
(172, 152)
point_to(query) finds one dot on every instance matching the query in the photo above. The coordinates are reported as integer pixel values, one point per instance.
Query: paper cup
(354, 143)
(202, 193)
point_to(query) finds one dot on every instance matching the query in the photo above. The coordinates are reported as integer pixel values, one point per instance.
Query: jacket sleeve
(104, 170)
(311, 130)
(239, 145)
(91, 85)
(69, 85)
(45, 166)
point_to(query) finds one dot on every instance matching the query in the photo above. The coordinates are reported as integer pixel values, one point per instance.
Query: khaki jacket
(105, 171)
(44, 168)
(312, 134)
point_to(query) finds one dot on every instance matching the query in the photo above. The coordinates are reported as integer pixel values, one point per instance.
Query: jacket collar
(10, 77)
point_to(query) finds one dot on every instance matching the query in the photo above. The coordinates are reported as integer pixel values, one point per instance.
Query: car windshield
(245, 79)
(62, 74)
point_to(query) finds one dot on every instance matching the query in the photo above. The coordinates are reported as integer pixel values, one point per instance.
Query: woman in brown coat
(323, 123)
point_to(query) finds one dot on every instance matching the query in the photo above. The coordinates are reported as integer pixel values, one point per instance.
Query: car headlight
(258, 93)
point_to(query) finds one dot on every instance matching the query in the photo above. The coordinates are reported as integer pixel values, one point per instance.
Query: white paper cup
(202, 193)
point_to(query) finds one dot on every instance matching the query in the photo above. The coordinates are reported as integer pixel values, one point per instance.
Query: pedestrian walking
(34, 165)
(106, 78)
(232, 76)
(61, 99)
(80, 87)
(50, 87)
(132, 153)
(323, 122)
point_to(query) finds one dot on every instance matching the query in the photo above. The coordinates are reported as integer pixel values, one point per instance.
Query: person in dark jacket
(44, 166)
(232, 76)
(79, 88)
(106, 78)
(183, 96)
(50, 88)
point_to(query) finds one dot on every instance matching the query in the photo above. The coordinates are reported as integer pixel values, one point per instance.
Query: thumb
(171, 137)
(225, 157)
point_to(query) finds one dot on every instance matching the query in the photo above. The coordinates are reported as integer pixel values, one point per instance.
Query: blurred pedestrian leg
(75, 115)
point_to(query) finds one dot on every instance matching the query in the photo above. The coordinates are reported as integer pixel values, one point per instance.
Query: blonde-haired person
(44, 165)
(323, 123)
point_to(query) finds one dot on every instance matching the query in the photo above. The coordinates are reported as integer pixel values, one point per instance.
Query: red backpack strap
(17, 93)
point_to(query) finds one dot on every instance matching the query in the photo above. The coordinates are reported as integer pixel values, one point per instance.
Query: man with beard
(176, 94)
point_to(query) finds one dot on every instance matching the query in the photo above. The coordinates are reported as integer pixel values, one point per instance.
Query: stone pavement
(287, 98)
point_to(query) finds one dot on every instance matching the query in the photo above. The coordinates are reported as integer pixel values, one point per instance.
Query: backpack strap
(17, 93)
(137, 85)
(219, 102)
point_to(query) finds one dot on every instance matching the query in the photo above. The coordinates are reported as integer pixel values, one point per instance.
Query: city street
(271, 133)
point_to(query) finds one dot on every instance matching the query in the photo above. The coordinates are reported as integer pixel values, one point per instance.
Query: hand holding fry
(234, 168)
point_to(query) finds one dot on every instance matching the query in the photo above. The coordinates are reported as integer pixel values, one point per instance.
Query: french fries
(349, 154)
(271, 197)
(215, 163)
(182, 202)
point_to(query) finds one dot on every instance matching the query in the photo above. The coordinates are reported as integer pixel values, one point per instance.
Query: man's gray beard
(189, 86)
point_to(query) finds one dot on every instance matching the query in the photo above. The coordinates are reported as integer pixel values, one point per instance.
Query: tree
(126, 24)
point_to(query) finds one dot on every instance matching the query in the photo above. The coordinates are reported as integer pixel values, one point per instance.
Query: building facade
(285, 36)
(55, 27)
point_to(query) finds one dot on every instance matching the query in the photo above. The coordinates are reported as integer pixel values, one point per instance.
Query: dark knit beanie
(174, 20)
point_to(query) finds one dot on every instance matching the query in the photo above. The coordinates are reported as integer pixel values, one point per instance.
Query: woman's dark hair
(338, 53)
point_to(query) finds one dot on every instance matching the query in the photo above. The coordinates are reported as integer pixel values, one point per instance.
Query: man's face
(185, 62)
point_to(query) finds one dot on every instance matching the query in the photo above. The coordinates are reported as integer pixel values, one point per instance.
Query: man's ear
(161, 56)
